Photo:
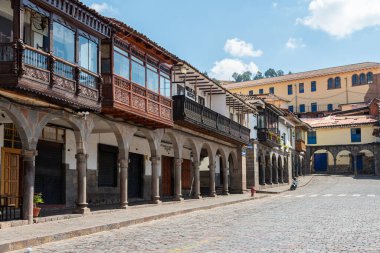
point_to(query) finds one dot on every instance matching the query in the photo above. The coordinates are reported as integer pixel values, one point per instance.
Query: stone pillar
(275, 174)
(262, 168)
(197, 183)
(281, 177)
(82, 183)
(155, 192)
(28, 157)
(178, 179)
(269, 165)
(212, 192)
(225, 180)
(335, 169)
(123, 183)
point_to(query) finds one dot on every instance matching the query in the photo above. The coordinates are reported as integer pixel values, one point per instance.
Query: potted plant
(37, 199)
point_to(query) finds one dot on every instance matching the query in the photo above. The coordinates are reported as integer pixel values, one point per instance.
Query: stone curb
(21, 244)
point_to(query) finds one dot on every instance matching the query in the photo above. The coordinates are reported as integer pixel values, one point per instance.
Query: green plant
(37, 199)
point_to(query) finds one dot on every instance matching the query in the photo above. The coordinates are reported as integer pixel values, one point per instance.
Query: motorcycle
(294, 185)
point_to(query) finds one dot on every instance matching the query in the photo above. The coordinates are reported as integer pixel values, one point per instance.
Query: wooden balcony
(132, 102)
(269, 136)
(300, 146)
(193, 115)
(39, 74)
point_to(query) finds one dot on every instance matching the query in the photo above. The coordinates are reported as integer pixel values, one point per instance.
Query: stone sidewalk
(302, 181)
(20, 237)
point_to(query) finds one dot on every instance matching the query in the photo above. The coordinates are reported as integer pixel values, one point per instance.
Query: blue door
(359, 163)
(320, 162)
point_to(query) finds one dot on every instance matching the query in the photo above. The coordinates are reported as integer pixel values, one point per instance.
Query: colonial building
(346, 141)
(95, 113)
(319, 92)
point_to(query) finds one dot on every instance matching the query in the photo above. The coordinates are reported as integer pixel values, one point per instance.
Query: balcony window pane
(165, 87)
(36, 30)
(88, 54)
(138, 73)
(64, 42)
(6, 21)
(121, 63)
(152, 80)
(261, 121)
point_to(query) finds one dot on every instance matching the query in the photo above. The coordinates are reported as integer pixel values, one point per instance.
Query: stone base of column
(212, 194)
(178, 198)
(225, 193)
(155, 200)
(124, 205)
(196, 197)
(82, 210)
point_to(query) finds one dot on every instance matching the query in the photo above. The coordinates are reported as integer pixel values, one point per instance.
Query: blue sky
(223, 36)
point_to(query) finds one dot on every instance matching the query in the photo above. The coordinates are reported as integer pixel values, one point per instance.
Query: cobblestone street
(331, 214)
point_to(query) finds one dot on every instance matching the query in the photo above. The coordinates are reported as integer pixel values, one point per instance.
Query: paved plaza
(330, 214)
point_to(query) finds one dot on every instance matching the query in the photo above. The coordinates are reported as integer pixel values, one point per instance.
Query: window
(201, 100)
(330, 107)
(261, 121)
(271, 90)
(291, 108)
(107, 165)
(152, 78)
(290, 89)
(362, 78)
(261, 91)
(314, 107)
(302, 108)
(121, 63)
(64, 42)
(337, 82)
(180, 90)
(6, 19)
(369, 77)
(356, 135)
(330, 83)
(313, 86)
(312, 137)
(88, 54)
(36, 29)
(138, 71)
(355, 79)
(301, 88)
(250, 92)
(165, 87)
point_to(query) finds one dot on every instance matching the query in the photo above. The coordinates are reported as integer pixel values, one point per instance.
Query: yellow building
(320, 90)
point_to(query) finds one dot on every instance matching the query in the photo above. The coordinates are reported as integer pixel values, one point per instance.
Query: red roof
(340, 121)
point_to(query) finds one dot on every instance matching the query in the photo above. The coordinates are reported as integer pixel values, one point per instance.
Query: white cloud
(102, 8)
(240, 48)
(294, 43)
(274, 4)
(224, 69)
(340, 18)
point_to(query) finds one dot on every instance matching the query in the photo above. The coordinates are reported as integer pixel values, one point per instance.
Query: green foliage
(258, 76)
(247, 75)
(270, 73)
(37, 199)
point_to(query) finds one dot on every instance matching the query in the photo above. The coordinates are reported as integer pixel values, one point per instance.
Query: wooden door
(167, 176)
(186, 174)
(135, 175)
(10, 176)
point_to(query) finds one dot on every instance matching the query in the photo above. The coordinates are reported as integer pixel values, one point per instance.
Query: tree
(246, 76)
(290, 72)
(270, 73)
(205, 73)
(280, 72)
(258, 76)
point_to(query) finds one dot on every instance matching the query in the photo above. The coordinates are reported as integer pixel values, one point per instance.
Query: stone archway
(207, 169)
(366, 162)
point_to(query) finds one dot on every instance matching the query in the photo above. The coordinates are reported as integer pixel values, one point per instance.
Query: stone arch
(154, 138)
(207, 168)
(317, 166)
(367, 162)
(344, 160)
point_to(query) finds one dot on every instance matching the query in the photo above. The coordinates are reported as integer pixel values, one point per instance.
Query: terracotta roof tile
(340, 121)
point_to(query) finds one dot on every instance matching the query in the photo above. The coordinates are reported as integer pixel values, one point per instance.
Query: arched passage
(321, 161)
(280, 170)
(366, 162)
(261, 162)
(222, 171)
(274, 169)
(190, 168)
(344, 163)
(207, 170)
(268, 169)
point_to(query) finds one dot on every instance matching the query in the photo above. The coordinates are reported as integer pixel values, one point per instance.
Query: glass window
(271, 90)
(121, 63)
(330, 83)
(261, 91)
(370, 77)
(355, 79)
(330, 107)
(165, 87)
(314, 107)
(291, 108)
(64, 42)
(88, 54)
(313, 86)
(301, 88)
(302, 108)
(250, 92)
(356, 135)
(261, 121)
(152, 80)
(337, 82)
(6, 21)
(290, 89)
(36, 30)
(138, 72)
(312, 137)
(362, 78)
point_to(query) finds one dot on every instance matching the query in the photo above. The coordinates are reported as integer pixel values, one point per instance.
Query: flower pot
(36, 211)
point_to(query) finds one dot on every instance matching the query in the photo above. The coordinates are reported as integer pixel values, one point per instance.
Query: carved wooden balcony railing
(198, 117)
(269, 136)
(300, 146)
(125, 99)
(41, 75)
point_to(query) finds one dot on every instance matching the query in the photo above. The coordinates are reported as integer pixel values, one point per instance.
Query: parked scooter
(294, 184)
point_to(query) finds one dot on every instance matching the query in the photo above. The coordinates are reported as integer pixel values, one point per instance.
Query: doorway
(135, 175)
